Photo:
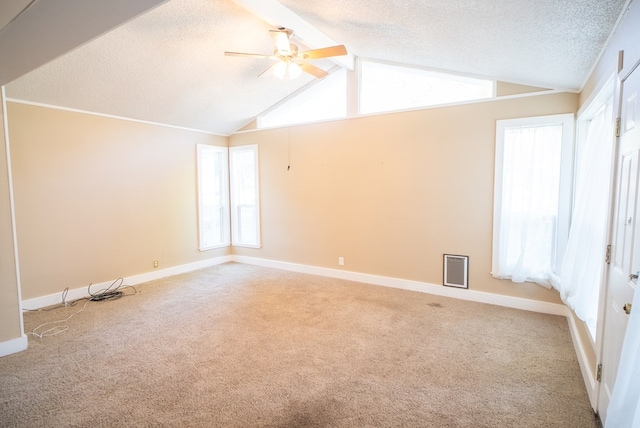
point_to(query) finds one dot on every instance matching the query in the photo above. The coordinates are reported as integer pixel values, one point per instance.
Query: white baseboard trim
(590, 382)
(439, 290)
(78, 293)
(405, 284)
(12, 346)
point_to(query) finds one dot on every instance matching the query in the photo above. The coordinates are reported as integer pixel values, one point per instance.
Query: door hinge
(607, 257)
(599, 373)
(618, 127)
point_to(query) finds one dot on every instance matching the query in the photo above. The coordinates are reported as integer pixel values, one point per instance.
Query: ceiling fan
(290, 63)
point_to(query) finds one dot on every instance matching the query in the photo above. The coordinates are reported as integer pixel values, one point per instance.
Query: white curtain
(529, 204)
(624, 407)
(581, 270)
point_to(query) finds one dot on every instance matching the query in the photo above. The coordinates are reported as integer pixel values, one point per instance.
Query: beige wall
(10, 317)
(390, 193)
(100, 198)
(626, 38)
(504, 89)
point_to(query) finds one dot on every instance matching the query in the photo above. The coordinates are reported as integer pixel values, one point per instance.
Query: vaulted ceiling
(167, 65)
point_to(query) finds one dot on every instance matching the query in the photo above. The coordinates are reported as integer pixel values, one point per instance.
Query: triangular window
(387, 87)
(325, 100)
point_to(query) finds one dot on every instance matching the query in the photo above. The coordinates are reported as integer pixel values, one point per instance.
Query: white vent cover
(456, 271)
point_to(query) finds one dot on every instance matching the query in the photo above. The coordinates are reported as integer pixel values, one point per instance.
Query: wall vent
(456, 271)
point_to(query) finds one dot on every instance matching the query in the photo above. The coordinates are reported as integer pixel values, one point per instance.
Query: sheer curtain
(526, 215)
(624, 407)
(581, 270)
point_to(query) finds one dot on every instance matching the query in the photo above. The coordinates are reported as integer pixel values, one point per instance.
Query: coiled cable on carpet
(112, 292)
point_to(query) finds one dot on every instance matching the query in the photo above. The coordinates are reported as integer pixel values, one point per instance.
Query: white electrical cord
(57, 329)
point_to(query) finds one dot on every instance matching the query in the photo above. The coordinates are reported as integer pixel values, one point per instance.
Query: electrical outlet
(155, 263)
(341, 261)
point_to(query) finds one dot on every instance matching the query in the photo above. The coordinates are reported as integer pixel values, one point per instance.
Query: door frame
(621, 75)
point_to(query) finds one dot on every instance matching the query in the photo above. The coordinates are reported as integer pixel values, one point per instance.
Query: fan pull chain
(288, 85)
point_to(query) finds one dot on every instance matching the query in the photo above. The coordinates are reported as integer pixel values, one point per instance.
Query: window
(582, 269)
(327, 99)
(391, 87)
(245, 212)
(213, 205)
(532, 197)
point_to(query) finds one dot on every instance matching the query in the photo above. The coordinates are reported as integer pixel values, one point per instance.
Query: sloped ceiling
(34, 32)
(167, 66)
(10, 9)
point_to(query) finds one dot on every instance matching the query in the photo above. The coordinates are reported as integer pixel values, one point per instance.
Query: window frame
(235, 212)
(201, 149)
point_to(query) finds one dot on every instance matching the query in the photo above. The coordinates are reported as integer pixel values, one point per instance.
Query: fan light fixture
(286, 70)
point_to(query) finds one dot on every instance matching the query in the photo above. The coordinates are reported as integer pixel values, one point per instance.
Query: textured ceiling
(547, 43)
(167, 66)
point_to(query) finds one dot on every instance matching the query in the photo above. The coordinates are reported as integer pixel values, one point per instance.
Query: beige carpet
(246, 346)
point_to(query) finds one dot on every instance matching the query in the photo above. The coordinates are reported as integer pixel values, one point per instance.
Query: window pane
(529, 176)
(245, 177)
(212, 196)
(531, 182)
(325, 100)
(389, 87)
(213, 225)
(247, 223)
(244, 196)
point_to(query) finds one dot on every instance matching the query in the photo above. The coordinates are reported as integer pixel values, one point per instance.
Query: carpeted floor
(246, 346)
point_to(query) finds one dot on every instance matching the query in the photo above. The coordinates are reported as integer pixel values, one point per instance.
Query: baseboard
(14, 345)
(590, 382)
(78, 293)
(440, 290)
(405, 284)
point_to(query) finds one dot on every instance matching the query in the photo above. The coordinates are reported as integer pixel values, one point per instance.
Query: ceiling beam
(277, 15)
(40, 31)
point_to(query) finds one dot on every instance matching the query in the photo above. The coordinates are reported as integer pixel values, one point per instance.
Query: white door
(625, 263)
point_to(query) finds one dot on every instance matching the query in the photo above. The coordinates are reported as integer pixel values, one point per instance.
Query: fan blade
(323, 52)
(281, 40)
(312, 69)
(249, 55)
